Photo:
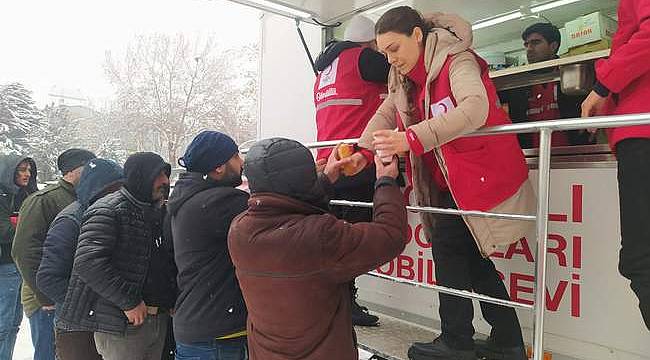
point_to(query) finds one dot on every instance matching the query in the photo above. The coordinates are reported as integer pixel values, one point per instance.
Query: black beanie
(285, 167)
(72, 159)
(140, 170)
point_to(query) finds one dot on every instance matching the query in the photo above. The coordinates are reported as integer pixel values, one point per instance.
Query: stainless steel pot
(577, 79)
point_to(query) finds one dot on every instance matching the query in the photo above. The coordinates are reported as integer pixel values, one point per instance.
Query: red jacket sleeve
(414, 142)
(630, 54)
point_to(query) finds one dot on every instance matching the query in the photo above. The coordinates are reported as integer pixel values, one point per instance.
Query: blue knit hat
(208, 150)
(95, 177)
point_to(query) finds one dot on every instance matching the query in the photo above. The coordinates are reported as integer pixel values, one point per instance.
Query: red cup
(14, 220)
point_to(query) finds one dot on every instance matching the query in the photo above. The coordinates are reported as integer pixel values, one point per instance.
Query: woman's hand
(388, 143)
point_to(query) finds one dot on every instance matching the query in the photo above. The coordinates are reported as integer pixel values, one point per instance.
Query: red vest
(543, 105)
(484, 171)
(344, 101)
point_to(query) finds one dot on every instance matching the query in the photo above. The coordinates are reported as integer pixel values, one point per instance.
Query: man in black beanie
(119, 288)
(36, 214)
(294, 260)
(210, 314)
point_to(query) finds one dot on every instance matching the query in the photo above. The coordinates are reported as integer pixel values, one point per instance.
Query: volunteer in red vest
(350, 86)
(440, 90)
(623, 87)
(544, 101)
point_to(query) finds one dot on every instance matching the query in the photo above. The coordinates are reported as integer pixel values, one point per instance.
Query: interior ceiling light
(497, 20)
(551, 5)
(386, 6)
(523, 12)
(276, 7)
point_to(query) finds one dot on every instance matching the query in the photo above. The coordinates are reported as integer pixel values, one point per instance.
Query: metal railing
(546, 129)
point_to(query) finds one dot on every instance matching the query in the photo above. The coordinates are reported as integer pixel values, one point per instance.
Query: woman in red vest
(440, 90)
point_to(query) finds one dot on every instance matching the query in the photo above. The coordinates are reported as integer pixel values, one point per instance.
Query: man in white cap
(350, 86)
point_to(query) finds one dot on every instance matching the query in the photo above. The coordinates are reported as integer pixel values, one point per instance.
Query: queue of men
(111, 265)
(111, 260)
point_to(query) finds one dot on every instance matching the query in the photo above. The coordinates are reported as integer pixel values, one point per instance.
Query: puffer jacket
(61, 240)
(111, 263)
(494, 165)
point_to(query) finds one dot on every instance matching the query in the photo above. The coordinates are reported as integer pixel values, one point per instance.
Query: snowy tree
(169, 88)
(45, 134)
(20, 120)
(56, 134)
(103, 133)
(77, 127)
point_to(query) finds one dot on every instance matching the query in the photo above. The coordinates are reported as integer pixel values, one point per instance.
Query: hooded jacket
(463, 162)
(112, 264)
(61, 240)
(11, 198)
(210, 303)
(294, 261)
(141, 170)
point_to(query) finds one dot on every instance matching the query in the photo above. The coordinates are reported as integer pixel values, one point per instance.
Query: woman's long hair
(403, 20)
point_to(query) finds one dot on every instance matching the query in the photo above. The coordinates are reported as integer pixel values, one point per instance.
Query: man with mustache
(210, 319)
(120, 286)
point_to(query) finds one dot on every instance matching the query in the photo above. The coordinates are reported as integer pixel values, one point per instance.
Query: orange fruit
(344, 151)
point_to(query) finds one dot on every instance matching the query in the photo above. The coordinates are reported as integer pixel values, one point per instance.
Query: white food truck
(590, 311)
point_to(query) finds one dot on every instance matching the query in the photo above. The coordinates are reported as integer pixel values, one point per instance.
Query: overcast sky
(62, 43)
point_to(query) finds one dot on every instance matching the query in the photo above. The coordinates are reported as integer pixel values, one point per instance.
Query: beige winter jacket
(469, 115)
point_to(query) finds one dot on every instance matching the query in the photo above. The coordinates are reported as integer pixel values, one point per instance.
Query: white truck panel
(287, 80)
(591, 312)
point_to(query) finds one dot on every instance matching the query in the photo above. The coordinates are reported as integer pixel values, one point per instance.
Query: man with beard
(210, 318)
(119, 288)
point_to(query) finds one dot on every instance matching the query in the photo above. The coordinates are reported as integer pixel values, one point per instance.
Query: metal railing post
(543, 183)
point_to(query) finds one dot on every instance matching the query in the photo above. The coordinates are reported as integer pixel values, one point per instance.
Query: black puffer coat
(61, 240)
(113, 261)
(110, 269)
